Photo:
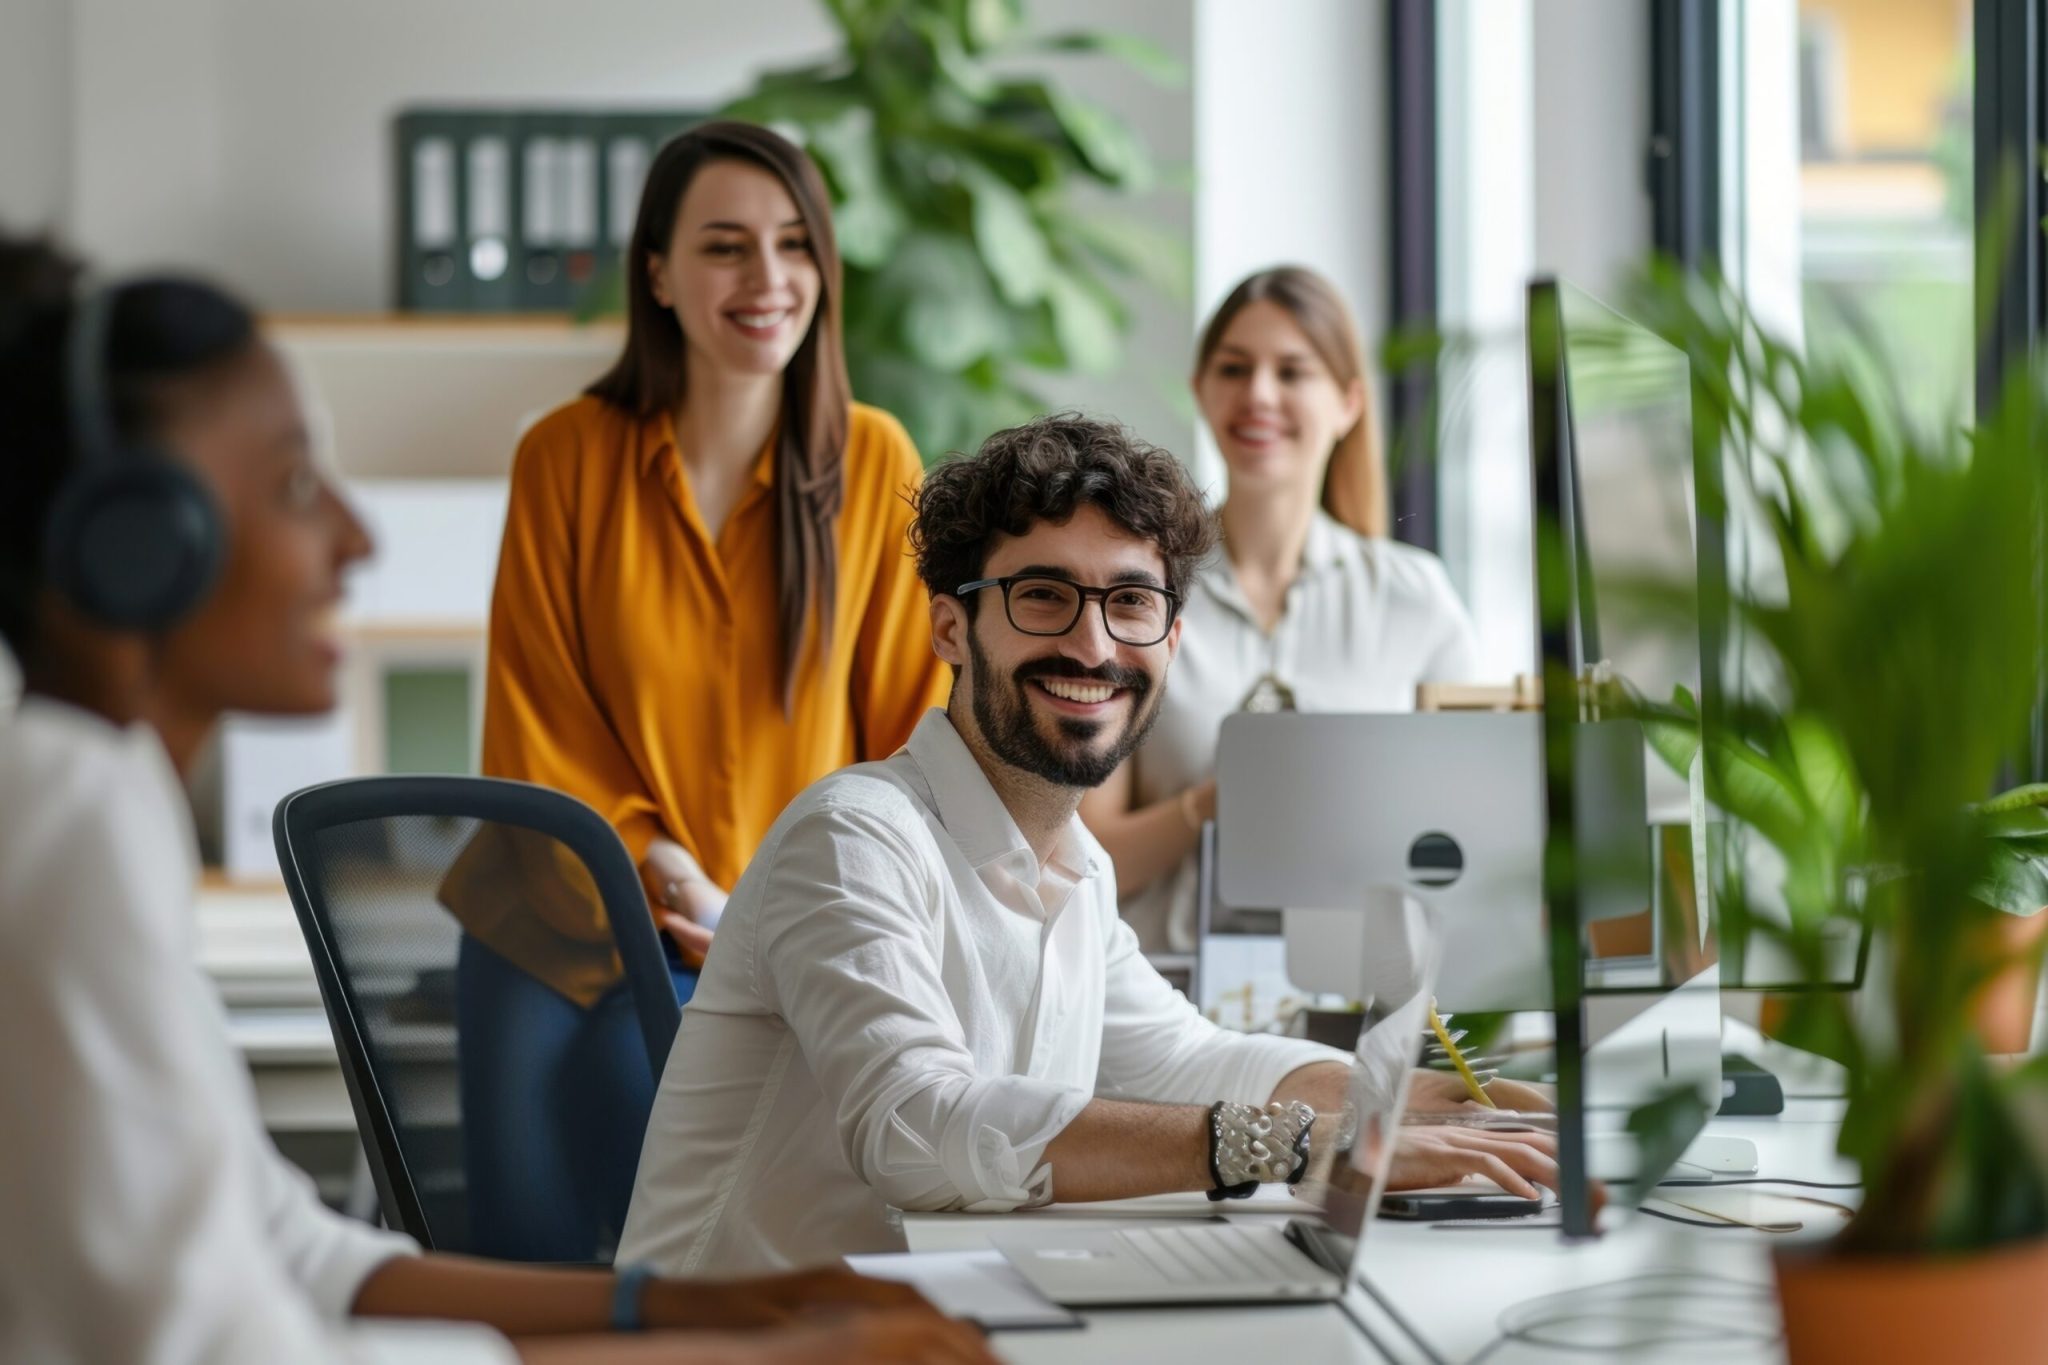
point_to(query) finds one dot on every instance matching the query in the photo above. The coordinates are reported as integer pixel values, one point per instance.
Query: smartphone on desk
(1448, 1206)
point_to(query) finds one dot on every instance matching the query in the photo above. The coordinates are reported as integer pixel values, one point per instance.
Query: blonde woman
(1311, 606)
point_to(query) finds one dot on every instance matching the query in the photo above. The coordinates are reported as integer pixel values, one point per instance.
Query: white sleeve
(1156, 1046)
(136, 1190)
(326, 1255)
(1455, 656)
(847, 954)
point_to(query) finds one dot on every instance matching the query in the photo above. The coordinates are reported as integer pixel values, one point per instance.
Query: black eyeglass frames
(1037, 604)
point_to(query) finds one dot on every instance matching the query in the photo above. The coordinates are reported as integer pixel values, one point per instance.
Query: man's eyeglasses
(1133, 613)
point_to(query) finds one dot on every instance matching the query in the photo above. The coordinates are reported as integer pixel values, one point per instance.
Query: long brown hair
(1355, 484)
(650, 375)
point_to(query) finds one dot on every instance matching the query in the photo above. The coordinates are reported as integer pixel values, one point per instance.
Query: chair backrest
(436, 910)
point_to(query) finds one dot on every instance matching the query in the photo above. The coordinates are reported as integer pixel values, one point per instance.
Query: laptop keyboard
(1217, 1253)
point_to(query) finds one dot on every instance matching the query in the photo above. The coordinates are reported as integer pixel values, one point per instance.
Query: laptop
(1309, 1258)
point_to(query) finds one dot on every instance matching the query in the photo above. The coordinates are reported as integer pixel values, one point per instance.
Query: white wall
(146, 104)
(1760, 190)
(1486, 252)
(1592, 126)
(250, 138)
(35, 113)
(1545, 119)
(1290, 151)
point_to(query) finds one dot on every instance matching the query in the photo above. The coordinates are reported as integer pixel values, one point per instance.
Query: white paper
(263, 760)
(980, 1286)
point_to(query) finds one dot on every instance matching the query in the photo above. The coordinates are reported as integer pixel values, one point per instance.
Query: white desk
(1450, 1283)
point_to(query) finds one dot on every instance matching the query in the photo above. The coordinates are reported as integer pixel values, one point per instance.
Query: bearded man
(921, 995)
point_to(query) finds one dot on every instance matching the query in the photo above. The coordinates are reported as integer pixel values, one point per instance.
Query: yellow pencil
(1443, 1036)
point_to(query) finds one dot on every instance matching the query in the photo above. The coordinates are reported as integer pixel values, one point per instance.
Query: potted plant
(973, 266)
(1895, 642)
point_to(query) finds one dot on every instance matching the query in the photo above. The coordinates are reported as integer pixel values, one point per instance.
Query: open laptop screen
(1353, 1154)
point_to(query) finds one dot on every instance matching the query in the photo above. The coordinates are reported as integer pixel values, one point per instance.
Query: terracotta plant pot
(2003, 1010)
(1988, 1309)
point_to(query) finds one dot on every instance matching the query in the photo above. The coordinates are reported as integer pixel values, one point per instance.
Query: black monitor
(1634, 957)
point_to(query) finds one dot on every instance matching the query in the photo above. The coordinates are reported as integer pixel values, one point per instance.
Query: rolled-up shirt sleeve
(1157, 1046)
(329, 1256)
(850, 954)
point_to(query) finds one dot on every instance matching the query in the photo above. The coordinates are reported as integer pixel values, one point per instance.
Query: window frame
(1413, 266)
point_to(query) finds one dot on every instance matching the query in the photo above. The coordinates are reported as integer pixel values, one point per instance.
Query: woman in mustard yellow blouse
(704, 598)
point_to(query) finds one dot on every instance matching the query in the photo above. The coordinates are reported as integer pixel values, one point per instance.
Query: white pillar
(1290, 154)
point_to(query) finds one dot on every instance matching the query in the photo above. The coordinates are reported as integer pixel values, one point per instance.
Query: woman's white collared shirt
(1364, 622)
(147, 1216)
(901, 1009)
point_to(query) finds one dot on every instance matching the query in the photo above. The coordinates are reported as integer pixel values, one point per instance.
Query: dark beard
(1014, 737)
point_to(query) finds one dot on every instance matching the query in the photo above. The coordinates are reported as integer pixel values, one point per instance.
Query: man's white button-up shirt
(901, 1009)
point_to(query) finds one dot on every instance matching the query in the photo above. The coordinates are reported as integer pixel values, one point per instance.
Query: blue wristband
(627, 1286)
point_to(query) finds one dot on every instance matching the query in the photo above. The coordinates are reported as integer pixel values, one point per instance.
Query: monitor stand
(1747, 1090)
(1720, 1155)
(1360, 951)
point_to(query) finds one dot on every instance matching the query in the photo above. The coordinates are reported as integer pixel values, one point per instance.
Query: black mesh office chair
(501, 1055)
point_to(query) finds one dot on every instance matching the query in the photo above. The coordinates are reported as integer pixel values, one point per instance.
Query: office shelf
(405, 396)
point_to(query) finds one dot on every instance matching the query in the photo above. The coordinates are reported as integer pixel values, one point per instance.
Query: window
(1848, 184)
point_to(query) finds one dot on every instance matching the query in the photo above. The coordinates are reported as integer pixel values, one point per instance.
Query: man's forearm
(1322, 1086)
(1118, 1149)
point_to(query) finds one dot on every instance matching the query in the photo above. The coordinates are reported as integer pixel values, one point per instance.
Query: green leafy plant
(972, 265)
(1895, 657)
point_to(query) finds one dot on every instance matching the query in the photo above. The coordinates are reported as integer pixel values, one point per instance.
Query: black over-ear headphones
(134, 539)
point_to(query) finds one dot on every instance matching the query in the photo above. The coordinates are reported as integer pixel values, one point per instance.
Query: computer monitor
(1633, 954)
(1342, 818)
(1653, 567)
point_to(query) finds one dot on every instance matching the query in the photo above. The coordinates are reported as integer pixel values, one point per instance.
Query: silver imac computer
(1341, 818)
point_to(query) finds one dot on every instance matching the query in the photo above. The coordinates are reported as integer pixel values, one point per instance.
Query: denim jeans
(554, 1104)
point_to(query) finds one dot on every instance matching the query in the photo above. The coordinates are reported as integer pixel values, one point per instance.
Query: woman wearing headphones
(1311, 606)
(704, 599)
(169, 551)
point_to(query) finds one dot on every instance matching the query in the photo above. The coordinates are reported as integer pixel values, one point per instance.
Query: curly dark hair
(1043, 471)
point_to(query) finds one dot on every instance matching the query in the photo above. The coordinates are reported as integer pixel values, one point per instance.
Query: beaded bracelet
(1250, 1145)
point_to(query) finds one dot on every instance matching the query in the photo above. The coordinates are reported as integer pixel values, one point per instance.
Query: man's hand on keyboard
(1427, 1156)
(1431, 1092)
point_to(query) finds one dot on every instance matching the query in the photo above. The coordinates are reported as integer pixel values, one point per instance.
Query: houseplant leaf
(868, 220)
(1142, 55)
(1009, 239)
(952, 316)
(1086, 327)
(1158, 257)
(1100, 141)
(987, 23)
(923, 139)
(2014, 878)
